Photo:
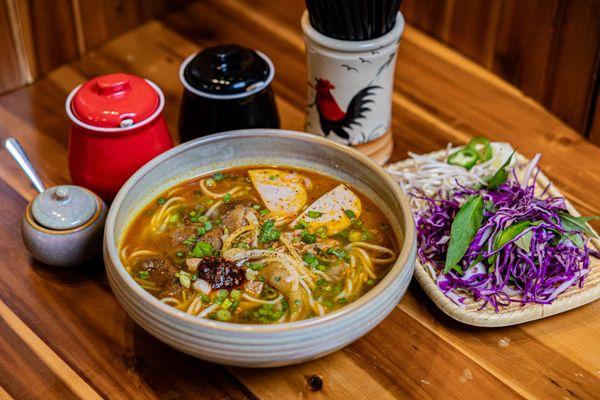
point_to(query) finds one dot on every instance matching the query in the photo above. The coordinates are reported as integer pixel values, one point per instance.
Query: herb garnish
(464, 227)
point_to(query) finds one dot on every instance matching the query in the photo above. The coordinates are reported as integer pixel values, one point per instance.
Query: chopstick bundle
(353, 19)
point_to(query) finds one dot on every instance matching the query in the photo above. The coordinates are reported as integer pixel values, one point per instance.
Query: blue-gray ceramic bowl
(260, 345)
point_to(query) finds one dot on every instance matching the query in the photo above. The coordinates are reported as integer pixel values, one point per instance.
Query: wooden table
(63, 335)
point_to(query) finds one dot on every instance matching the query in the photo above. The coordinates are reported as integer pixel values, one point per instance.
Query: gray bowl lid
(63, 207)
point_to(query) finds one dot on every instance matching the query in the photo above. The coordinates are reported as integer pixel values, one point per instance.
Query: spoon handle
(17, 152)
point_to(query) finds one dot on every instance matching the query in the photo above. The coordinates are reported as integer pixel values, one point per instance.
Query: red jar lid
(115, 100)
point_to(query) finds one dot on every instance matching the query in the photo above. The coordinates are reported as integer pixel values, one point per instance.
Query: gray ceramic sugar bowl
(62, 225)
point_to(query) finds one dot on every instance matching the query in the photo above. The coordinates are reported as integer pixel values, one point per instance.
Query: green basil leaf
(501, 175)
(507, 235)
(465, 225)
(572, 223)
(524, 242)
(575, 238)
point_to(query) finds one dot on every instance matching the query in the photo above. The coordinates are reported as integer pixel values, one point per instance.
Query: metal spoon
(17, 152)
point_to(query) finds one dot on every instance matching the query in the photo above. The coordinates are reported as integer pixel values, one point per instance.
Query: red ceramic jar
(117, 127)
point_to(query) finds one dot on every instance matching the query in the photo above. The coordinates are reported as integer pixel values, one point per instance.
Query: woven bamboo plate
(471, 314)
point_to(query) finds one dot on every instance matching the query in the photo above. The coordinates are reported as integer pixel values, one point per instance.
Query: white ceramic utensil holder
(350, 86)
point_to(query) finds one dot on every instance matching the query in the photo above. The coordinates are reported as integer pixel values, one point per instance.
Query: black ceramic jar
(226, 87)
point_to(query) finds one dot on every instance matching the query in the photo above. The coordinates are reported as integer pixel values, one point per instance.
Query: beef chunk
(214, 238)
(220, 273)
(160, 271)
(172, 289)
(236, 218)
(180, 234)
(192, 263)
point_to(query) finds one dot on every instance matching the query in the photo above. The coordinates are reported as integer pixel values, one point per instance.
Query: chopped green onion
(222, 293)
(268, 233)
(202, 249)
(210, 182)
(256, 266)
(314, 214)
(256, 206)
(307, 237)
(301, 224)
(310, 259)
(339, 253)
(208, 226)
(350, 214)
(342, 300)
(185, 280)
(227, 198)
(223, 315)
(174, 218)
(355, 236)
(194, 219)
(180, 254)
(321, 282)
(322, 231)
(161, 201)
(263, 212)
(272, 177)
(277, 278)
(218, 177)
(201, 231)
(192, 213)
(144, 274)
(226, 304)
(236, 294)
(370, 282)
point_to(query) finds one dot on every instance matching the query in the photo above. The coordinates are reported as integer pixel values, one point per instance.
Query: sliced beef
(236, 218)
(172, 289)
(180, 234)
(160, 271)
(220, 273)
(214, 238)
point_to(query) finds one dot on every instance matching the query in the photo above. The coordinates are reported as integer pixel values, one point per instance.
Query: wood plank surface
(74, 340)
(31, 29)
(550, 49)
(11, 73)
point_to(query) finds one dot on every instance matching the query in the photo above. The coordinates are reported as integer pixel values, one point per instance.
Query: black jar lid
(228, 71)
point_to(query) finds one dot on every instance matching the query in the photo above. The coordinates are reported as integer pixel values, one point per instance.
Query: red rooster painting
(332, 117)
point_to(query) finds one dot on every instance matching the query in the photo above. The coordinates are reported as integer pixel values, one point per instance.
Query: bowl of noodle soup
(259, 248)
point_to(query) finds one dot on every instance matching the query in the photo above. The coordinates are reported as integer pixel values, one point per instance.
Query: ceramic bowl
(68, 247)
(260, 345)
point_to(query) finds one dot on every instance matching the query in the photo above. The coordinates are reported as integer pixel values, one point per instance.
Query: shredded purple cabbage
(553, 264)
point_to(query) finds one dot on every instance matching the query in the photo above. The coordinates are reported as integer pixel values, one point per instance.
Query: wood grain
(52, 23)
(416, 352)
(594, 120)
(550, 49)
(11, 73)
(37, 36)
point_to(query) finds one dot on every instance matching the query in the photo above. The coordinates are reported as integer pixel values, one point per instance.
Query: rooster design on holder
(332, 117)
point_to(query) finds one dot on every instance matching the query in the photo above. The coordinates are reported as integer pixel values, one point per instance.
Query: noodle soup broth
(259, 245)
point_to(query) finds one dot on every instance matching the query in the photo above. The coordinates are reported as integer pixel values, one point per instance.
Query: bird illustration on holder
(332, 117)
